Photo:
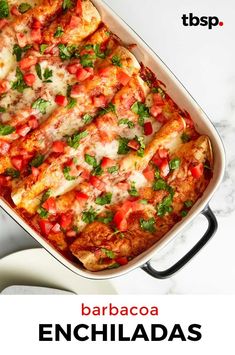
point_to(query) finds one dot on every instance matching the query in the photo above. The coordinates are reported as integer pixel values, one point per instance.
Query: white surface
(203, 60)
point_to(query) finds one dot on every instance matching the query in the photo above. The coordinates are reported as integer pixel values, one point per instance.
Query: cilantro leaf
(37, 161)
(24, 7)
(175, 163)
(67, 4)
(89, 159)
(43, 47)
(104, 199)
(12, 173)
(123, 146)
(38, 70)
(74, 141)
(4, 9)
(141, 110)
(133, 191)
(160, 91)
(116, 60)
(89, 216)
(98, 52)
(59, 32)
(19, 84)
(87, 60)
(66, 52)
(165, 207)
(2, 109)
(109, 253)
(5, 130)
(66, 172)
(41, 105)
(140, 151)
(48, 73)
(148, 225)
(18, 51)
(127, 122)
(188, 203)
(106, 219)
(113, 169)
(87, 118)
(185, 137)
(110, 108)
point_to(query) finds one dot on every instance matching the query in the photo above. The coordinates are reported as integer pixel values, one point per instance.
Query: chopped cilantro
(19, 84)
(24, 7)
(104, 199)
(38, 70)
(141, 110)
(43, 47)
(185, 137)
(109, 253)
(48, 73)
(66, 52)
(43, 213)
(66, 172)
(159, 184)
(184, 213)
(4, 9)
(188, 203)
(165, 206)
(133, 191)
(123, 146)
(87, 118)
(12, 173)
(89, 216)
(110, 108)
(114, 266)
(127, 122)
(87, 60)
(74, 141)
(175, 163)
(113, 169)
(45, 196)
(41, 105)
(89, 159)
(5, 130)
(37, 161)
(144, 202)
(72, 103)
(105, 219)
(148, 225)
(160, 91)
(140, 151)
(18, 51)
(116, 60)
(59, 32)
(67, 4)
(2, 109)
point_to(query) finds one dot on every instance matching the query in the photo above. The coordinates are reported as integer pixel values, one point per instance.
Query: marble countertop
(203, 60)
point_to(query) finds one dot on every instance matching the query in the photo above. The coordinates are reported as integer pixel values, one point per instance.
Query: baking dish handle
(211, 229)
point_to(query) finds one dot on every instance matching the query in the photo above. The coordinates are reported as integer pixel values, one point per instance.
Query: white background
(204, 62)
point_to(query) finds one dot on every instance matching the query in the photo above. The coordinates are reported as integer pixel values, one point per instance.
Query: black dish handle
(211, 229)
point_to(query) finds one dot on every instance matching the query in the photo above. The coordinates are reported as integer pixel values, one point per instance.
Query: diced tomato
(107, 163)
(120, 221)
(158, 100)
(58, 146)
(3, 23)
(122, 260)
(4, 147)
(197, 170)
(99, 101)
(66, 220)
(155, 111)
(123, 78)
(79, 8)
(71, 233)
(74, 22)
(50, 205)
(45, 226)
(156, 160)
(149, 173)
(56, 228)
(76, 91)
(35, 172)
(163, 153)
(27, 62)
(36, 35)
(23, 130)
(36, 24)
(33, 122)
(85, 174)
(133, 144)
(73, 68)
(3, 180)
(164, 168)
(18, 162)
(81, 197)
(29, 79)
(124, 186)
(104, 72)
(82, 74)
(22, 39)
(161, 118)
(61, 100)
(4, 86)
(97, 183)
(148, 128)
(15, 11)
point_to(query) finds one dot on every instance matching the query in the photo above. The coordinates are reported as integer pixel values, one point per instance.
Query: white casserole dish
(184, 100)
